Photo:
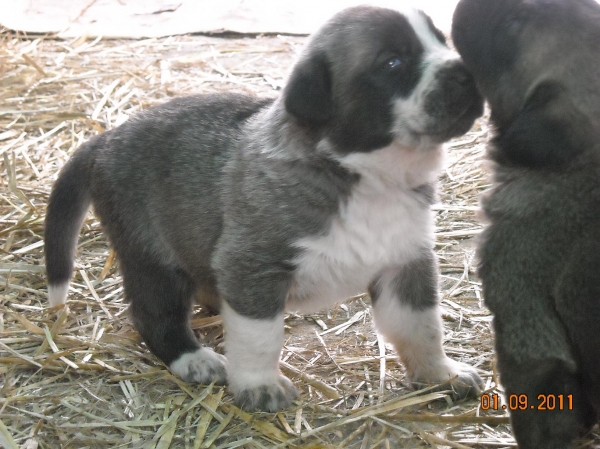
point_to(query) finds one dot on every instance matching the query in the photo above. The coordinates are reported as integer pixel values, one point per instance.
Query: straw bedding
(80, 377)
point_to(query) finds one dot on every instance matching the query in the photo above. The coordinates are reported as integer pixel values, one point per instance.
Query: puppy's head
(372, 76)
(536, 62)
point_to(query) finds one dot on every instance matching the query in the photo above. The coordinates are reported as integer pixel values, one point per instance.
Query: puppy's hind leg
(406, 313)
(161, 298)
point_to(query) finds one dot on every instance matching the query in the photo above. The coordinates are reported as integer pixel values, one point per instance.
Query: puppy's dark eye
(393, 63)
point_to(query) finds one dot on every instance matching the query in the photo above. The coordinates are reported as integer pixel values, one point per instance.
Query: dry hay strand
(79, 376)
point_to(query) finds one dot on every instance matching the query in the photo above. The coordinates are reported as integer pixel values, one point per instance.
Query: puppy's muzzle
(454, 103)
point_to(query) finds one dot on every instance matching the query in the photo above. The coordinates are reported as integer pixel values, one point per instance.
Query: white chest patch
(384, 223)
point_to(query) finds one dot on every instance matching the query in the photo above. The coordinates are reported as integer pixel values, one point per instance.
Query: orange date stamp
(525, 402)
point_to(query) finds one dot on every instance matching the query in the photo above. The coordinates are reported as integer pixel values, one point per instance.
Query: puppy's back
(151, 180)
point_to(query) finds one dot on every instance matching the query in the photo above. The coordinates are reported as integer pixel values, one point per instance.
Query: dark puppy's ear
(548, 132)
(308, 94)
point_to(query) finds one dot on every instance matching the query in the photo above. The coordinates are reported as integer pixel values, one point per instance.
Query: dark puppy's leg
(161, 298)
(407, 314)
(529, 372)
(578, 306)
(535, 354)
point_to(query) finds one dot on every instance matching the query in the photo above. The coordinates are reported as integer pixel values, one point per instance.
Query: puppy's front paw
(202, 366)
(466, 383)
(270, 397)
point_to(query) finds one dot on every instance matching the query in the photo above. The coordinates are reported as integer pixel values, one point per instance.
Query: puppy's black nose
(457, 93)
(460, 75)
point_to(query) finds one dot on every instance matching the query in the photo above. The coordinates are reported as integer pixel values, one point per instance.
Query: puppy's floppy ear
(548, 132)
(308, 94)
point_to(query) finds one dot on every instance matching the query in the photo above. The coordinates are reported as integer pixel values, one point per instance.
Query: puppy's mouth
(444, 130)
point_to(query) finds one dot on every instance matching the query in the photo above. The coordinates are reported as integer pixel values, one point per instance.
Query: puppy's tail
(69, 202)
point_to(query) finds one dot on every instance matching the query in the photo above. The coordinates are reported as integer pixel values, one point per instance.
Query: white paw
(203, 366)
(466, 383)
(267, 397)
(253, 348)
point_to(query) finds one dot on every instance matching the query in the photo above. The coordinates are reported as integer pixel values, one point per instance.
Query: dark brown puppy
(536, 62)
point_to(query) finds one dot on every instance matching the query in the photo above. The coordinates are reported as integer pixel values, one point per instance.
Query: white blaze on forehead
(411, 119)
(433, 48)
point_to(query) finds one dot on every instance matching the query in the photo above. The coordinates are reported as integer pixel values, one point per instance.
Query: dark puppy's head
(371, 76)
(536, 62)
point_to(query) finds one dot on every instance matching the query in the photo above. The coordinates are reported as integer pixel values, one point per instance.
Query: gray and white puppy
(297, 203)
(537, 63)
